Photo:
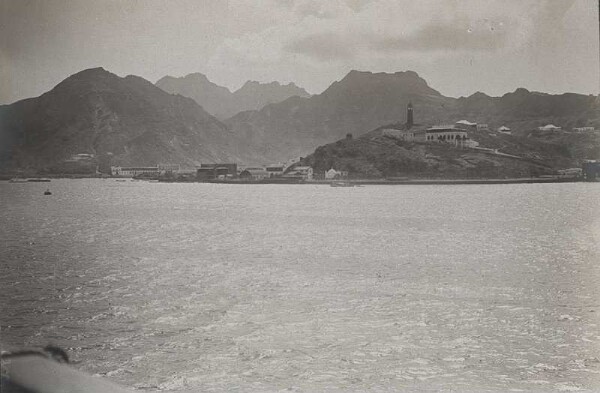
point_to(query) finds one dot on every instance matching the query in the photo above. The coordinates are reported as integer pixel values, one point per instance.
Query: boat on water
(38, 180)
(341, 183)
(17, 180)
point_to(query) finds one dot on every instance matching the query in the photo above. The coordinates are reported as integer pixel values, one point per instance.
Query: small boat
(341, 183)
(38, 180)
(17, 180)
(47, 192)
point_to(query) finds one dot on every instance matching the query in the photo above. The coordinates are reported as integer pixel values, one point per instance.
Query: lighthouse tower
(409, 116)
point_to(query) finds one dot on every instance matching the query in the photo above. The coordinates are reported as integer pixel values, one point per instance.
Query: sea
(308, 288)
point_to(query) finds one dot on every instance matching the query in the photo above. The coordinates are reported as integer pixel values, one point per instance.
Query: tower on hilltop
(409, 115)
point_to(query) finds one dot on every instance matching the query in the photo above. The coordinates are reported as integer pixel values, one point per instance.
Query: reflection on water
(273, 287)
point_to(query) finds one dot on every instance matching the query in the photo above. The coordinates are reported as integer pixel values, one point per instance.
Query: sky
(458, 46)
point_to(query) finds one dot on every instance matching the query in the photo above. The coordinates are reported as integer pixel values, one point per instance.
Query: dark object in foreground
(45, 371)
(47, 192)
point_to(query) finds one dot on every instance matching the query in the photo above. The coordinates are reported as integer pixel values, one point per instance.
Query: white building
(466, 125)
(333, 174)
(124, 171)
(504, 130)
(483, 127)
(275, 170)
(549, 127)
(446, 134)
(584, 129)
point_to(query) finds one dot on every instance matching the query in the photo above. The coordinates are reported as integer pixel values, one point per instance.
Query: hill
(222, 103)
(377, 154)
(95, 112)
(363, 101)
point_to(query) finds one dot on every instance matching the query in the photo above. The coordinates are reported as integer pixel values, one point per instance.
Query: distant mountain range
(97, 112)
(222, 103)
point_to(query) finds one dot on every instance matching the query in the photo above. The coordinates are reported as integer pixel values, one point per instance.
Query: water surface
(207, 287)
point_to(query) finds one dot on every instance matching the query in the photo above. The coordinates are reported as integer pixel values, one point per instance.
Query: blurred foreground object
(46, 371)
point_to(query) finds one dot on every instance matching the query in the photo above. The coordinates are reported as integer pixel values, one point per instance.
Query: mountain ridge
(97, 112)
(223, 103)
(362, 101)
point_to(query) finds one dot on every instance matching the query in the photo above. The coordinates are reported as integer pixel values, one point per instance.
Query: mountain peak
(359, 82)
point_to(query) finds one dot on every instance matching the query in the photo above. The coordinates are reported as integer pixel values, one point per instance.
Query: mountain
(213, 98)
(363, 101)
(358, 103)
(95, 112)
(222, 103)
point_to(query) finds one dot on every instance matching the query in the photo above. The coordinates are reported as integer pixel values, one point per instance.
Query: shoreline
(364, 182)
(351, 182)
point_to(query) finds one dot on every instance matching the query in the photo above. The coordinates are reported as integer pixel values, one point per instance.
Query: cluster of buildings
(553, 128)
(455, 134)
(218, 171)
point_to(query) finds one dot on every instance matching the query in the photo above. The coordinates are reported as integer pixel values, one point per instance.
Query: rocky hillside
(363, 101)
(377, 155)
(96, 112)
(358, 103)
(383, 157)
(222, 103)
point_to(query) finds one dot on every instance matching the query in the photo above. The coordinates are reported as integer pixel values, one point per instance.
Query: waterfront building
(125, 171)
(169, 168)
(255, 173)
(482, 127)
(333, 174)
(275, 170)
(504, 130)
(216, 171)
(301, 172)
(591, 170)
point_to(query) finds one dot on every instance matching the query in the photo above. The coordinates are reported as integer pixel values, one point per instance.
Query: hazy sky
(458, 46)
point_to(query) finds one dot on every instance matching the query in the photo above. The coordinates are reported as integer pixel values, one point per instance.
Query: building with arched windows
(446, 134)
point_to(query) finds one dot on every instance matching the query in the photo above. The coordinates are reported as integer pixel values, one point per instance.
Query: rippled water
(206, 287)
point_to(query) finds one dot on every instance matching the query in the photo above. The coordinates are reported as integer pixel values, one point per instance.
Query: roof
(504, 128)
(466, 122)
(302, 168)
